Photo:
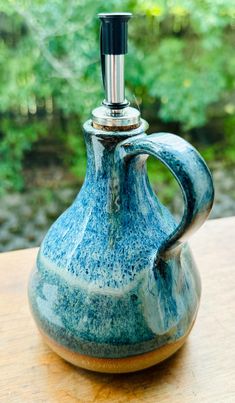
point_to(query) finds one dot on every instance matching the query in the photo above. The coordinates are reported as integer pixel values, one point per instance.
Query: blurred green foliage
(180, 71)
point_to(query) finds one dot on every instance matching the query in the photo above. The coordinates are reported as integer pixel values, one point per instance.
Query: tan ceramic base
(115, 365)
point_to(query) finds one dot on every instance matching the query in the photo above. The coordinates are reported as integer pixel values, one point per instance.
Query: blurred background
(180, 72)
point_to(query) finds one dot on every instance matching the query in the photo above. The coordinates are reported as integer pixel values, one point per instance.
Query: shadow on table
(132, 387)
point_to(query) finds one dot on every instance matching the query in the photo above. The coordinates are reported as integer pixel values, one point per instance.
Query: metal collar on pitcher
(127, 117)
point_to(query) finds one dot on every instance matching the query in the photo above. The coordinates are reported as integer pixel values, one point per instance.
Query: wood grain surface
(202, 371)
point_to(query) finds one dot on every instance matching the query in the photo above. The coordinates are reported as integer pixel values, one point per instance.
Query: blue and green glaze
(114, 277)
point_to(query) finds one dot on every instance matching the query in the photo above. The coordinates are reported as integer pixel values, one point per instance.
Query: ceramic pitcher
(115, 287)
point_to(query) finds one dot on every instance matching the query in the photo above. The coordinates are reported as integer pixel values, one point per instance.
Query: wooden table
(202, 371)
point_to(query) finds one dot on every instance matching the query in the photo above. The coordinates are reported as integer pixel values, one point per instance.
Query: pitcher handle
(190, 171)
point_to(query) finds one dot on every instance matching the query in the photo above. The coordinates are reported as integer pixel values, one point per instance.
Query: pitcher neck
(100, 150)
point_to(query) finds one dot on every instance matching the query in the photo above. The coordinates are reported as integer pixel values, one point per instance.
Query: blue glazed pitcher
(115, 287)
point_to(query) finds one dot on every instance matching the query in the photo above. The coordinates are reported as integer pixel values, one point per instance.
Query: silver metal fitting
(103, 117)
(114, 79)
(115, 114)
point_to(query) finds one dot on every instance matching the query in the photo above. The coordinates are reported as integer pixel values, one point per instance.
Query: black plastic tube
(113, 40)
